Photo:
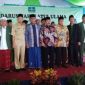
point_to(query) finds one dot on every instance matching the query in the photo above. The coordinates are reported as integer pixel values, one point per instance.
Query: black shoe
(17, 70)
(58, 66)
(64, 66)
(22, 69)
(7, 70)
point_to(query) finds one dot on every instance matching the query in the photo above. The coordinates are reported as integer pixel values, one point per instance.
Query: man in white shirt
(3, 39)
(5, 45)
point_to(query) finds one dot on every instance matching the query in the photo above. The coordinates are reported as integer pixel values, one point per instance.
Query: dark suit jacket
(81, 32)
(74, 35)
(81, 37)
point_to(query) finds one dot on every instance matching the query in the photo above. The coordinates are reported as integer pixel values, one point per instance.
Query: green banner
(11, 12)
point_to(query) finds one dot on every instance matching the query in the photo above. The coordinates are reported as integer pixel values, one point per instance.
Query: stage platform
(24, 75)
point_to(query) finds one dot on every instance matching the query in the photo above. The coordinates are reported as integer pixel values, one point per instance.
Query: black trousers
(51, 56)
(48, 54)
(80, 55)
(61, 56)
(26, 55)
(44, 57)
(74, 55)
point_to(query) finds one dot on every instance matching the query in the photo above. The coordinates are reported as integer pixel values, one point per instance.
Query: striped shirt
(29, 35)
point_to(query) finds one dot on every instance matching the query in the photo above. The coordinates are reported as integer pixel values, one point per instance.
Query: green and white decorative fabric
(77, 2)
(43, 2)
(32, 2)
(20, 2)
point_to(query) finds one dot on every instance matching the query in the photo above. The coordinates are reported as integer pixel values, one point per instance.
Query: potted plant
(77, 79)
(44, 77)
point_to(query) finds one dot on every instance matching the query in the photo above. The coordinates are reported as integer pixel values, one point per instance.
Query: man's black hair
(71, 16)
(83, 16)
(43, 19)
(19, 15)
(60, 18)
(25, 21)
(9, 21)
(32, 15)
(47, 18)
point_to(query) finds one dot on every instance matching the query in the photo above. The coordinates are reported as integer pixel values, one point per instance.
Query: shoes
(22, 69)
(17, 70)
(7, 70)
(64, 66)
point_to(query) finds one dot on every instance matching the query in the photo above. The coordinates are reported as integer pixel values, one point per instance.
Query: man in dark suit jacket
(73, 57)
(82, 37)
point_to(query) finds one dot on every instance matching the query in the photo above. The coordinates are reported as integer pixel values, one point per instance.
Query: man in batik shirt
(47, 44)
(62, 44)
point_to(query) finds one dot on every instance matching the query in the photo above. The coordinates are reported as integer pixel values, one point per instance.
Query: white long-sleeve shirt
(3, 44)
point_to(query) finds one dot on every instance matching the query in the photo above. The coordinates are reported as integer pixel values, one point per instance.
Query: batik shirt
(63, 36)
(47, 38)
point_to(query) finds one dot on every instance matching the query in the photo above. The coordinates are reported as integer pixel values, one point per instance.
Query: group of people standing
(43, 44)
